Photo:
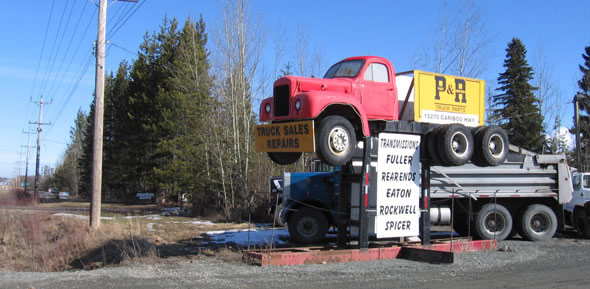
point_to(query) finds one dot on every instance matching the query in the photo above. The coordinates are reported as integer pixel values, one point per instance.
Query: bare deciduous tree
(239, 41)
(462, 42)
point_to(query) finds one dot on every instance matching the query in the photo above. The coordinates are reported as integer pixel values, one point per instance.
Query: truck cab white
(578, 209)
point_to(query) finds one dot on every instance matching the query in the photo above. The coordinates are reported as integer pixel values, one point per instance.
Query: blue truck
(524, 195)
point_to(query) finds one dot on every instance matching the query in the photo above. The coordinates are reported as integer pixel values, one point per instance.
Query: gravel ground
(562, 262)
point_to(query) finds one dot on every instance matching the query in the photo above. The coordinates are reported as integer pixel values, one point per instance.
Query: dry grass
(40, 241)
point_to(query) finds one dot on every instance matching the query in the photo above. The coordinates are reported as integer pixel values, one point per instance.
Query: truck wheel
(537, 223)
(336, 140)
(581, 224)
(493, 221)
(477, 158)
(492, 145)
(284, 158)
(432, 146)
(277, 216)
(307, 225)
(455, 144)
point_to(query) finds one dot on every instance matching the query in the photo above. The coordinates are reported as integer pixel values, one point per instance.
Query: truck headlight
(267, 108)
(298, 104)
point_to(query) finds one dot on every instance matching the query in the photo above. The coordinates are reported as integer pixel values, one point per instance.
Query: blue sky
(40, 57)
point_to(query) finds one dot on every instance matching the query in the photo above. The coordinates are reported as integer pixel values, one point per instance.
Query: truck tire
(537, 223)
(581, 224)
(336, 140)
(477, 158)
(432, 146)
(493, 221)
(277, 216)
(491, 145)
(284, 158)
(307, 225)
(455, 144)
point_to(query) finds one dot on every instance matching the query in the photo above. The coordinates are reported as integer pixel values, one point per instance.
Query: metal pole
(425, 203)
(364, 196)
(98, 118)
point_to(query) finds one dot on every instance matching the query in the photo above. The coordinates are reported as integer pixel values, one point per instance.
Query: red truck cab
(364, 85)
(356, 89)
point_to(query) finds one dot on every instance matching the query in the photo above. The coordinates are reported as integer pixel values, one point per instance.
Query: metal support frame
(363, 242)
(425, 203)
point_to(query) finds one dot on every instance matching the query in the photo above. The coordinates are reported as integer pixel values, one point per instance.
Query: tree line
(179, 118)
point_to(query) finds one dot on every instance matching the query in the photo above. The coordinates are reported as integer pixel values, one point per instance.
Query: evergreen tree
(516, 107)
(67, 174)
(115, 149)
(584, 106)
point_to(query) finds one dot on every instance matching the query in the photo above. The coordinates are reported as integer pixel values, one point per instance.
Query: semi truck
(528, 194)
(362, 96)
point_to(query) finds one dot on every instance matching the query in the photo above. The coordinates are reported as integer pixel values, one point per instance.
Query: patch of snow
(78, 216)
(150, 227)
(245, 237)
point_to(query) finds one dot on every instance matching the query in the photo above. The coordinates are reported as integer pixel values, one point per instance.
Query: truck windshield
(345, 69)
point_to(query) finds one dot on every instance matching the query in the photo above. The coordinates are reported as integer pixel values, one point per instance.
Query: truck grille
(281, 100)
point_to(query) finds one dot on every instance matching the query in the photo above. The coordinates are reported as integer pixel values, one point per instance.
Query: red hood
(306, 84)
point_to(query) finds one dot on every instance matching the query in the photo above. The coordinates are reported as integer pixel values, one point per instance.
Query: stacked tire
(455, 145)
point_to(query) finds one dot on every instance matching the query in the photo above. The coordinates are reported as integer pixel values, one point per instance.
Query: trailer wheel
(284, 158)
(492, 145)
(307, 225)
(455, 144)
(581, 224)
(336, 140)
(493, 221)
(537, 223)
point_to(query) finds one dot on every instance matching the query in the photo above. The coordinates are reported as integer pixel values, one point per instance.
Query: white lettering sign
(398, 186)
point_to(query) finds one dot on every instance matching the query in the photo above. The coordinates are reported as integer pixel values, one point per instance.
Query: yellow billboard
(295, 136)
(443, 99)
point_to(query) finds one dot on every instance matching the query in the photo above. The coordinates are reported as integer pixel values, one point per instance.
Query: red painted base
(440, 252)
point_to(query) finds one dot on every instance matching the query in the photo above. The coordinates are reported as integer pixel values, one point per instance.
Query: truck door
(378, 94)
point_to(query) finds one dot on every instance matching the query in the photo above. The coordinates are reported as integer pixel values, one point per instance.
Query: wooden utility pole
(98, 118)
(37, 162)
(27, 161)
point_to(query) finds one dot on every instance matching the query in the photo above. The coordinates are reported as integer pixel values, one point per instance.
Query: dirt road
(562, 262)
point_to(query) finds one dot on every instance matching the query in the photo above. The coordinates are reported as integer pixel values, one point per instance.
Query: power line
(51, 54)
(66, 52)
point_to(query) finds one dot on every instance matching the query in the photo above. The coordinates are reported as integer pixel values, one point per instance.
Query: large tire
(477, 158)
(284, 158)
(455, 145)
(336, 140)
(432, 146)
(491, 145)
(493, 221)
(581, 224)
(307, 225)
(277, 216)
(537, 223)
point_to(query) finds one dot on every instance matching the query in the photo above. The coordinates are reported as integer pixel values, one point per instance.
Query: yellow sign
(295, 136)
(443, 98)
